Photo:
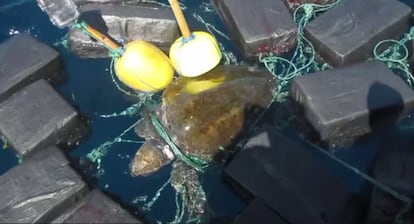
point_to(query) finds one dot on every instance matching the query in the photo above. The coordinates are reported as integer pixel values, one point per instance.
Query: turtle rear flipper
(150, 157)
(185, 180)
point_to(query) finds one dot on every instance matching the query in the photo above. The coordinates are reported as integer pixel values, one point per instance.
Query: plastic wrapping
(152, 24)
(342, 105)
(38, 189)
(96, 207)
(258, 26)
(23, 59)
(37, 116)
(61, 12)
(347, 33)
(290, 179)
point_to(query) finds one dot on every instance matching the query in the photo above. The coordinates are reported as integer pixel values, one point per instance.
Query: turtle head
(150, 157)
(145, 129)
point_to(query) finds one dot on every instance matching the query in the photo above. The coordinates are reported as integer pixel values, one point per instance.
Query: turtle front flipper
(150, 157)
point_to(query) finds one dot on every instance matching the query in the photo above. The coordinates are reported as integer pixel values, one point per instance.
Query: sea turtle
(201, 116)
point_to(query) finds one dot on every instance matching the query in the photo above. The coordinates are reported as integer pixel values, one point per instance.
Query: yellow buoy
(196, 56)
(196, 85)
(195, 53)
(144, 67)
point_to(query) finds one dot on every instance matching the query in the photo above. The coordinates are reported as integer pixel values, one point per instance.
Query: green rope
(149, 204)
(228, 56)
(114, 80)
(181, 193)
(146, 100)
(131, 110)
(63, 42)
(96, 154)
(179, 213)
(200, 194)
(396, 55)
(301, 62)
(113, 53)
(298, 64)
(196, 162)
(137, 93)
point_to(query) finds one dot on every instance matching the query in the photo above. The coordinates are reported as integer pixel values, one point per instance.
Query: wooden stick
(101, 37)
(179, 16)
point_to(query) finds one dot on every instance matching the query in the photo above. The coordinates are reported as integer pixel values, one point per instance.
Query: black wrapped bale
(348, 32)
(393, 167)
(39, 189)
(37, 116)
(345, 103)
(260, 26)
(96, 207)
(24, 60)
(149, 23)
(293, 4)
(290, 181)
(258, 212)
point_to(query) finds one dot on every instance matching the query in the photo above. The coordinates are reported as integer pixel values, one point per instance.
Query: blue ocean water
(90, 89)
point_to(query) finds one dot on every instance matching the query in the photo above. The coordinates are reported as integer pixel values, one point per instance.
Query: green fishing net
(191, 199)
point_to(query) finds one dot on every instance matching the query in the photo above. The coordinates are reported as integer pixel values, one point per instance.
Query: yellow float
(195, 53)
(139, 65)
(142, 66)
(199, 84)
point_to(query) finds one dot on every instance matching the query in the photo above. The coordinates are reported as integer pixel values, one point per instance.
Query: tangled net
(190, 195)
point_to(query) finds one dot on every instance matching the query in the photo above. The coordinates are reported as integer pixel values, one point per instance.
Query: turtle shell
(204, 114)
